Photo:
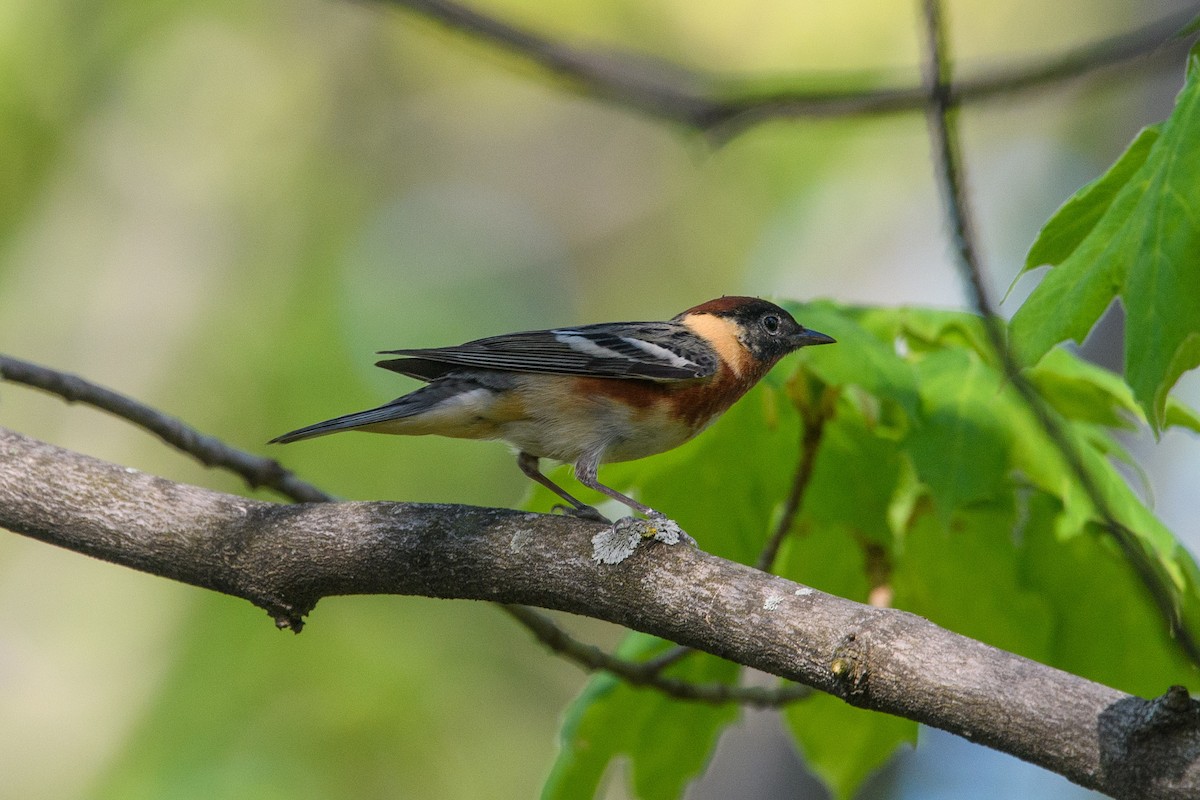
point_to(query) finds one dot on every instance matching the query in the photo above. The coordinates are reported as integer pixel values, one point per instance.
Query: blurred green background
(224, 209)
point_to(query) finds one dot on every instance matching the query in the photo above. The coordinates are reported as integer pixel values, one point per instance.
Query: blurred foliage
(332, 702)
(223, 209)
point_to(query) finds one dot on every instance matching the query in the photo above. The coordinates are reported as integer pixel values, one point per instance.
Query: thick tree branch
(284, 558)
(716, 103)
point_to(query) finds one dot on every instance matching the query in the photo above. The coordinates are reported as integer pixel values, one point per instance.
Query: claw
(585, 512)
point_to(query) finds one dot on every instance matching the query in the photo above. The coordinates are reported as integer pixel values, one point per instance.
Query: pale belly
(613, 434)
(589, 425)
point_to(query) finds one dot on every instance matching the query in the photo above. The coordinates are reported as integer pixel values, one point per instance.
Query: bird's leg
(586, 473)
(529, 465)
(618, 542)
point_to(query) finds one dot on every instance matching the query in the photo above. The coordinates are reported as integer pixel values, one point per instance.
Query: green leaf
(667, 742)
(1182, 415)
(925, 330)
(1188, 30)
(960, 447)
(1080, 390)
(831, 558)
(988, 602)
(1077, 218)
(1098, 631)
(1132, 234)
(842, 744)
(860, 506)
(863, 357)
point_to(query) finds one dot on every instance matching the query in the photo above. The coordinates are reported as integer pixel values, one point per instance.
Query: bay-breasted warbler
(588, 394)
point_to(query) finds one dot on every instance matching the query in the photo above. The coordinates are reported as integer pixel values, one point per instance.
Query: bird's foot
(582, 512)
(617, 543)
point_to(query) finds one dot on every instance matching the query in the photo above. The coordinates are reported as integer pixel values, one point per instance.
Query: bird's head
(767, 331)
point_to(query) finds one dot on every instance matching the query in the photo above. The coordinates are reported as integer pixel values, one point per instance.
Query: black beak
(808, 337)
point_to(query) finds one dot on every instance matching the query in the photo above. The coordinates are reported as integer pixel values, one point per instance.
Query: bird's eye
(771, 324)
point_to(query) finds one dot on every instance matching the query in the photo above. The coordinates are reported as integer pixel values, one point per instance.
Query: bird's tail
(448, 400)
(385, 413)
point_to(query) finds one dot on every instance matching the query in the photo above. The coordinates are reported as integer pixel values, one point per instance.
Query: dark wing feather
(661, 351)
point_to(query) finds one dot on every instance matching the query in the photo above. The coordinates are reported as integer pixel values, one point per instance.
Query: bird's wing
(661, 351)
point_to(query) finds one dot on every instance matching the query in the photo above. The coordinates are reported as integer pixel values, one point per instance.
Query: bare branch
(943, 133)
(647, 673)
(948, 166)
(208, 450)
(728, 106)
(286, 557)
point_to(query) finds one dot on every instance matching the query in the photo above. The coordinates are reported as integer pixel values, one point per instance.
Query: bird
(589, 394)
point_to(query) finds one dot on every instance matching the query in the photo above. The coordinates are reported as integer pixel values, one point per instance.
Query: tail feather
(393, 410)
(433, 397)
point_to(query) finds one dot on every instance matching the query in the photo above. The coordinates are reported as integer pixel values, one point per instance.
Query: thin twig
(208, 450)
(810, 442)
(666, 658)
(943, 132)
(646, 674)
(949, 169)
(715, 103)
